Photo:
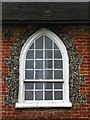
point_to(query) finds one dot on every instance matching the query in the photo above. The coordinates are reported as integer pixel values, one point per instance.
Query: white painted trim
(43, 104)
(65, 58)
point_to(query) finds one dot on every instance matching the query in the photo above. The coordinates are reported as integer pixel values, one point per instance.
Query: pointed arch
(64, 79)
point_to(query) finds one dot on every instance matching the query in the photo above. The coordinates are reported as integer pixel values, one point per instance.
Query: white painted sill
(45, 104)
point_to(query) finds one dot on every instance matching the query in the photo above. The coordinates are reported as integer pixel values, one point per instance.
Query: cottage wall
(77, 41)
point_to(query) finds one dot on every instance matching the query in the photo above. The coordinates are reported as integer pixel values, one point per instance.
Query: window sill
(45, 104)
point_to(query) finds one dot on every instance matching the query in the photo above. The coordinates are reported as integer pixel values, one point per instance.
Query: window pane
(48, 43)
(29, 64)
(57, 54)
(32, 46)
(29, 85)
(58, 85)
(48, 74)
(48, 95)
(39, 43)
(58, 74)
(30, 54)
(38, 95)
(38, 54)
(48, 54)
(38, 74)
(28, 95)
(29, 74)
(58, 95)
(48, 85)
(39, 64)
(58, 64)
(38, 85)
(55, 46)
(48, 64)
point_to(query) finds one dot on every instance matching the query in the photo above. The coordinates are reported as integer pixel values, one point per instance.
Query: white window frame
(56, 103)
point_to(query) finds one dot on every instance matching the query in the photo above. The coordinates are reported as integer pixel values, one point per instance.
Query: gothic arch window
(44, 72)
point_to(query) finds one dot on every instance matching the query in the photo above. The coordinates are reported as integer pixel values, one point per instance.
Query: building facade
(45, 61)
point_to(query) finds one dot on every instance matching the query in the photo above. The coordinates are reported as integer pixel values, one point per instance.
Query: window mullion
(34, 92)
(34, 60)
(53, 67)
(53, 91)
(43, 56)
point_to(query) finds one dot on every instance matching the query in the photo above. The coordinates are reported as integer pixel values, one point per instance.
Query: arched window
(44, 72)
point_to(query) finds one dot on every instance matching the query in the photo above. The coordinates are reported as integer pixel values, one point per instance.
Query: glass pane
(55, 46)
(58, 74)
(58, 85)
(48, 43)
(29, 64)
(38, 74)
(29, 85)
(29, 74)
(48, 64)
(39, 43)
(28, 95)
(30, 54)
(48, 74)
(48, 85)
(48, 95)
(48, 54)
(39, 64)
(58, 95)
(38, 95)
(57, 54)
(58, 64)
(38, 54)
(38, 85)
(32, 46)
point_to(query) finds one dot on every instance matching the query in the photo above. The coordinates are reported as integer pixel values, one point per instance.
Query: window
(44, 72)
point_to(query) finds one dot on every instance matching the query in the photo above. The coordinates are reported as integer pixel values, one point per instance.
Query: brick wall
(79, 111)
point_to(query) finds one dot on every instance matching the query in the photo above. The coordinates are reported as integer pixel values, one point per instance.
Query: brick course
(79, 111)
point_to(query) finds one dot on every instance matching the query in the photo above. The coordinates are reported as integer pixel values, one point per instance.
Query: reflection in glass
(32, 46)
(38, 54)
(48, 74)
(28, 95)
(29, 85)
(38, 74)
(58, 95)
(48, 95)
(58, 85)
(48, 63)
(39, 64)
(57, 54)
(58, 74)
(39, 43)
(55, 46)
(48, 43)
(30, 54)
(38, 95)
(29, 74)
(29, 64)
(48, 54)
(48, 85)
(58, 64)
(38, 85)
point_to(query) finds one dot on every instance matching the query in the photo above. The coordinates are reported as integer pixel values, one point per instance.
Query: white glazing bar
(45, 59)
(43, 56)
(53, 60)
(43, 91)
(44, 69)
(34, 59)
(53, 91)
(34, 92)
(44, 80)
